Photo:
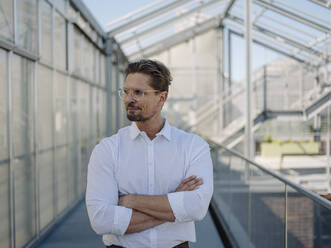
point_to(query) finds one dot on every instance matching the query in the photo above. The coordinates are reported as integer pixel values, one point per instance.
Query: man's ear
(164, 96)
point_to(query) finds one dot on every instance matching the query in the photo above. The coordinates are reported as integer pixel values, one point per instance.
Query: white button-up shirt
(130, 163)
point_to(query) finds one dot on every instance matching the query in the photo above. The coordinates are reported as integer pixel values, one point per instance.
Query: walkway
(75, 232)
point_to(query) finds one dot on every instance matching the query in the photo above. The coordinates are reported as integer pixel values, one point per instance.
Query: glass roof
(301, 28)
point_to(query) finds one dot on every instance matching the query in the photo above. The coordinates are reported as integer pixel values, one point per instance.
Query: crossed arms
(110, 213)
(149, 211)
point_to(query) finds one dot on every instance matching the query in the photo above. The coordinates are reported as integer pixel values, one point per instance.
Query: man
(148, 183)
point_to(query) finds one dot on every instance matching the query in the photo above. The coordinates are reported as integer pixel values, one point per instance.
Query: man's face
(147, 106)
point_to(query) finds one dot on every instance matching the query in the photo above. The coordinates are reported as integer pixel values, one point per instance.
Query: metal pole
(248, 129)
(328, 122)
(36, 146)
(11, 155)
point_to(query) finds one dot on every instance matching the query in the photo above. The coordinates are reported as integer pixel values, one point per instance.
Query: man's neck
(151, 127)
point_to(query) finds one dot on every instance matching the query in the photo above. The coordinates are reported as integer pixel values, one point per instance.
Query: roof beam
(322, 3)
(272, 48)
(226, 11)
(167, 23)
(279, 36)
(146, 17)
(178, 38)
(293, 16)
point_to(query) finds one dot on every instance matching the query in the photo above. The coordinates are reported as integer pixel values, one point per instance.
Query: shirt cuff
(122, 219)
(177, 205)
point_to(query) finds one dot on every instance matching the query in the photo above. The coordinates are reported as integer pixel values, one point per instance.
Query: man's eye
(138, 92)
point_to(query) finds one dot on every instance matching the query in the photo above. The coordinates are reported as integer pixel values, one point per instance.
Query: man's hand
(189, 184)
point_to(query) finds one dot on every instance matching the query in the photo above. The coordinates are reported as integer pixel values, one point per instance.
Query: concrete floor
(75, 232)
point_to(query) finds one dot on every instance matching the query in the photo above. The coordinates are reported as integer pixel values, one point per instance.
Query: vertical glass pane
(6, 19)
(60, 41)
(222, 180)
(77, 36)
(103, 70)
(267, 205)
(3, 106)
(103, 113)
(301, 219)
(46, 187)
(45, 109)
(239, 201)
(23, 111)
(24, 162)
(4, 205)
(84, 129)
(322, 226)
(61, 169)
(73, 142)
(46, 31)
(61, 109)
(27, 24)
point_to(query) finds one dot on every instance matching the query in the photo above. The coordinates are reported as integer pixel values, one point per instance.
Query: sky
(106, 10)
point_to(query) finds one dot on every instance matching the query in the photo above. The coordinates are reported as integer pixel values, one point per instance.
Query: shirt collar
(165, 131)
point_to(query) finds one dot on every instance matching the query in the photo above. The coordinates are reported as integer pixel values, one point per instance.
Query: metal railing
(259, 208)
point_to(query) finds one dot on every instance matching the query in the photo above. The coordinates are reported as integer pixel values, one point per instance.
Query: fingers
(190, 183)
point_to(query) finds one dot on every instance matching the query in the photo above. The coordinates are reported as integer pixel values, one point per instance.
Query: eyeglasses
(136, 94)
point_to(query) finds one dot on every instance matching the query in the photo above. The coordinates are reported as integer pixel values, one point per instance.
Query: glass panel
(73, 141)
(60, 41)
(23, 164)
(84, 129)
(222, 180)
(61, 169)
(302, 217)
(23, 111)
(61, 109)
(103, 69)
(103, 113)
(25, 207)
(45, 110)
(3, 106)
(322, 226)
(27, 24)
(4, 206)
(6, 19)
(46, 31)
(267, 200)
(239, 201)
(46, 187)
(77, 50)
(87, 58)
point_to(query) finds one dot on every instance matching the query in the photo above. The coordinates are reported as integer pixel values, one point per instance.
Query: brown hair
(159, 73)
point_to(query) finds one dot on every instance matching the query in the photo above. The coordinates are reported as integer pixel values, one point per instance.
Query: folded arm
(186, 204)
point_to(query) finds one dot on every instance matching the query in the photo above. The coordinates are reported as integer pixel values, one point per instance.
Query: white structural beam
(168, 22)
(293, 16)
(279, 37)
(180, 37)
(322, 3)
(249, 141)
(146, 17)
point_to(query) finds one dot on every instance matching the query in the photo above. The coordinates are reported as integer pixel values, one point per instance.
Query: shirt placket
(151, 184)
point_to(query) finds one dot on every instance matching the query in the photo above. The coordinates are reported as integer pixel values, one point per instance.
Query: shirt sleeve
(102, 194)
(193, 205)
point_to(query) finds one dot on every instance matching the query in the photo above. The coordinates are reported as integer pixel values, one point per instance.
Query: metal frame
(166, 23)
(293, 16)
(146, 17)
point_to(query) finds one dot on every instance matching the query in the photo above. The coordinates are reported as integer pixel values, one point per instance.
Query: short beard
(137, 117)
